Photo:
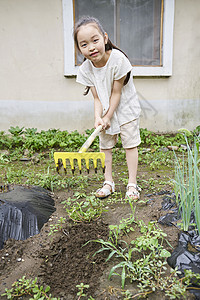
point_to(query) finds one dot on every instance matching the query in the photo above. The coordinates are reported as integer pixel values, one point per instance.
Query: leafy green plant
(81, 287)
(151, 238)
(149, 138)
(24, 287)
(58, 226)
(31, 139)
(83, 210)
(126, 294)
(17, 138)
(3, 158)
(150, 253)
(156, 159)
(124, 227)
(148, 268)
(4, 140)
(14, 176)
(16, 131)
(174, 286)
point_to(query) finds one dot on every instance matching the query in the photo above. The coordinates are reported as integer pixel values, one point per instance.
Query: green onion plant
(187, 184)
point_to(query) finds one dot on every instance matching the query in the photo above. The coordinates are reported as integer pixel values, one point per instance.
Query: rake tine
(94, 158)
(87, 163)
(79, 156)
(95, 165)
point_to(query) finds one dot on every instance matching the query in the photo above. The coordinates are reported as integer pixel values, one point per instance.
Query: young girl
(106, 70)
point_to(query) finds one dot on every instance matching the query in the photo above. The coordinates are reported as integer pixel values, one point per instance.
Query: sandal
(135, 195)
(106, 192)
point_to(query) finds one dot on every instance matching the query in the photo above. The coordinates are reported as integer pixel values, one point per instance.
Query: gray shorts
(130, 136)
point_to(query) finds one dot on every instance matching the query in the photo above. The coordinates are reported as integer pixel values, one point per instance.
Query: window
(143, 29)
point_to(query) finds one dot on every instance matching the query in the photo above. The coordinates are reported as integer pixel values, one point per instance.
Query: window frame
(70, 69)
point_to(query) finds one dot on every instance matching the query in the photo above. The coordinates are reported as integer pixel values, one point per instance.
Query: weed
(12, 175)
(150, 263)
(85, 210)
(151, 238)
(148, 271)
(155, 160)
(124, 227)
(3, 158)
(16, 131)
(58, 226)
(81, 288)
(29, 287)
(127, 295)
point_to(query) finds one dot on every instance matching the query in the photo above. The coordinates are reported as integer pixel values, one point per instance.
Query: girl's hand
(98, 121)
(106, 122)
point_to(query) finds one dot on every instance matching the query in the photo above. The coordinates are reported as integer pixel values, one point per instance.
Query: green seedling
(81, 287)
(151, 238)
(85, 210)
(28, 287)
(3, 158)
(58, 226)
(125, 227)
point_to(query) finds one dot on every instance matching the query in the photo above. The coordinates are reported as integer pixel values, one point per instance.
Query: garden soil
(64, 260)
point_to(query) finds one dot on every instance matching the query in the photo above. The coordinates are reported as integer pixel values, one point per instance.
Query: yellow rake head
(80, 158)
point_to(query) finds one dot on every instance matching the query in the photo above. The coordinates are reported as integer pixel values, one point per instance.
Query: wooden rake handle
(91, 138)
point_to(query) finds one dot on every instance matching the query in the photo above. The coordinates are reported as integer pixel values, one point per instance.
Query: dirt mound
(62, 261)
(71, 261)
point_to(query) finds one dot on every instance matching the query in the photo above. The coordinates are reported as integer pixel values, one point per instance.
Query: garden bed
(65, 259)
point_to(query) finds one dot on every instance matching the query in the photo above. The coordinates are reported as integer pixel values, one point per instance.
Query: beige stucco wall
(34, 92)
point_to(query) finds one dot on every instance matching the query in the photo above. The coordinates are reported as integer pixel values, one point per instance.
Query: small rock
(164, 149)
(4, 152)
(25, 158)
(144, 150)
(19, 259)
(184, 147)
(26, 152)
(35, 159)
(175, 148)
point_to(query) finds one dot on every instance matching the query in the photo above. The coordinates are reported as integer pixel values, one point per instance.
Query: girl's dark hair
(109, 46)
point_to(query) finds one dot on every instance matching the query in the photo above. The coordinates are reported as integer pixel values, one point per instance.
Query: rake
(81, 156)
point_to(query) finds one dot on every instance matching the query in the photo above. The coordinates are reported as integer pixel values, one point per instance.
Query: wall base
(157, 115)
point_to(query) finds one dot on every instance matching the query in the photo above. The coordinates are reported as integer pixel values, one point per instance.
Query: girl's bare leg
(132, 163)
(108, 168)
